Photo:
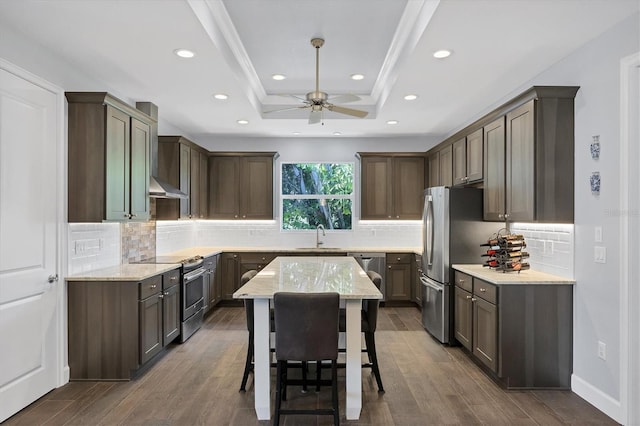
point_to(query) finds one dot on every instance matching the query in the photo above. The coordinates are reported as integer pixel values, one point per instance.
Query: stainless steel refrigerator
(452, 232)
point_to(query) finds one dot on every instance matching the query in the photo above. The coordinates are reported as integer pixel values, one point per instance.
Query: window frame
(282, 197)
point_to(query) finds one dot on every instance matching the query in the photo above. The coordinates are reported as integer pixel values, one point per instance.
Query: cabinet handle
(153, 286)
(506, 215)
(473, 299)
(235, 216)
(397, 217)
(174, 279)
(127, 215)
(133, 215)
(389, 217)
(244, 216)
(500, 216)
(235, 256)
(482, 290)
(469, 297)
(461, 281)
(161, 296)
(398, 259)
(389, 267)
(166, 293)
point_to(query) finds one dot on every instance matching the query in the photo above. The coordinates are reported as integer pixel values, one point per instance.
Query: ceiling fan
(317, 101)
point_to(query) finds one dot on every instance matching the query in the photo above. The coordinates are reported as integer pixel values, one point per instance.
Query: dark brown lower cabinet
(229, 277)
(115, 327)
(398, 277)
(212, 290)
(520, 333)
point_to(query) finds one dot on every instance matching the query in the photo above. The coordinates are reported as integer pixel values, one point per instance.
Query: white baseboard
(597, 398)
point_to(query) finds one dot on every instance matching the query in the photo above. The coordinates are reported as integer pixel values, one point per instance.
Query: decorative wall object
(595, 182)
(595, 147)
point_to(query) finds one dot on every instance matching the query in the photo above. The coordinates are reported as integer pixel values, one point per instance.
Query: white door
(29, 316)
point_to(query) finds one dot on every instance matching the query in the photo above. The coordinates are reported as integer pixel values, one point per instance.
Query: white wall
(595, 68)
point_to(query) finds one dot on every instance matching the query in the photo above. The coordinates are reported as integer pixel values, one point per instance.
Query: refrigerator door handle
(428, 283)
(430, 230)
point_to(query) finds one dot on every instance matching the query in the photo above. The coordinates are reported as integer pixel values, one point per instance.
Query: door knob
(52, 278)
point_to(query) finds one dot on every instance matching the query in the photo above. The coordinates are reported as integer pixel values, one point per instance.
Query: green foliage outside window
(317, 194)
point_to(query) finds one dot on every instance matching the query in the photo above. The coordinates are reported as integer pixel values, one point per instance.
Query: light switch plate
(600, 254)
(598, 234)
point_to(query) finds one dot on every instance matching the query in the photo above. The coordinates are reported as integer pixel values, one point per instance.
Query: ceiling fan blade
(285, 95)
(348, 111)
(343, 99)
(315, 117)
(287, 109)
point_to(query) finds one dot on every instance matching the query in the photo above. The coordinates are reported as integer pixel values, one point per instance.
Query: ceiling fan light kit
(318, 101)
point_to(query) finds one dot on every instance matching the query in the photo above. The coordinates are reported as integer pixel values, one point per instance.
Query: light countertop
(128, 272)
(506, 278)
(209, 251)
(308, 274)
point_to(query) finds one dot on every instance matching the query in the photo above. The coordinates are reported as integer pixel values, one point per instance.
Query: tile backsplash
(551, 246)
(138, 241)
(93, 246)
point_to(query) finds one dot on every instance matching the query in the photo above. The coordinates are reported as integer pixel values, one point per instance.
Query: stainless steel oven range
(191, 292)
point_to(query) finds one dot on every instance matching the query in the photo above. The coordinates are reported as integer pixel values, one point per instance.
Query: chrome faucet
(318, 228)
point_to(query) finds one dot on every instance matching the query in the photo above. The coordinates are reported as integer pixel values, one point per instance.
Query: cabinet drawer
(150, 286)
(399, 258)
(464, 281)
(484, 290)
(171, 278)
(257, 257)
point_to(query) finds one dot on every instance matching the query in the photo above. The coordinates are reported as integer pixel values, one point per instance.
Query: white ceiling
(497, 46)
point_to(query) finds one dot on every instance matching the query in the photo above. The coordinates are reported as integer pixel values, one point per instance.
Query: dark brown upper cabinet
(241, 185)
(467, 159)
(392, 186)
(109, 159)
(179, 164)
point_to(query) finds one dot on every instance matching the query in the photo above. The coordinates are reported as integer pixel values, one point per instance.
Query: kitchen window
(317, 194)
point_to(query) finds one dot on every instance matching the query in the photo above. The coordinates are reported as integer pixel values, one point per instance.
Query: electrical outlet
(600, 254)
(602, 350)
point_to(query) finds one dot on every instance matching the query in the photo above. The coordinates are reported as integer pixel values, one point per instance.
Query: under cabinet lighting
(184, 53)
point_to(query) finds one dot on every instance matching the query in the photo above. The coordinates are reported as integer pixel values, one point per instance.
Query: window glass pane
(317, 178)
(309, 213)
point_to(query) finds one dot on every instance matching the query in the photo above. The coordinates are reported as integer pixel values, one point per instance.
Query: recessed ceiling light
(440, 54)
(221, 96)
(278, 77)
(336, 133)
(392, 122)
(410, 97)
(242, 121)
(184, 53)
(357, 77)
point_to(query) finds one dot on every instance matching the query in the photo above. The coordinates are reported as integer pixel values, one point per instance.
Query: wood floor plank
(196, 383)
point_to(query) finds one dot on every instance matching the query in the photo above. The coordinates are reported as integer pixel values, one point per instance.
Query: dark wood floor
(197, 384)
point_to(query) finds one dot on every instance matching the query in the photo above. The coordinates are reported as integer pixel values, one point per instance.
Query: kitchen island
(309, 274)
(517, 326)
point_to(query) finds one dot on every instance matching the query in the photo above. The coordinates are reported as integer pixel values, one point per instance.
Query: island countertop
(126, 272)
(510, 278)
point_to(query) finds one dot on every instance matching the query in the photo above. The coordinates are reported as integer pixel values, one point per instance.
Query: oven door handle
(193, 275)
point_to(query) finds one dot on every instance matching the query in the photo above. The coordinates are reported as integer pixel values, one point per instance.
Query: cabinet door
(230, 278)
(474, 156)
(256, 187)
(434, 170)
(494, 170)
(170, 314)
(376, 175)
(204, 187)
(140, 164)
(398, 282)
(185, 177)
(217, 280)
(117, 163)
(194, 184)
(485, 332)
(224, 181)
(520, 163)
(463, 317)
(408, 187)
(150, 327)
(459, 152)
(446, 166)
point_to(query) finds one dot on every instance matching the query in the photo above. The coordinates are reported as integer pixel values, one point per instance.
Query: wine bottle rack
(506, 253)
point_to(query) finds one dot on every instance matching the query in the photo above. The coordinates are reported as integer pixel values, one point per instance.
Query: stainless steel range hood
(161, 189)
(158, 188)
